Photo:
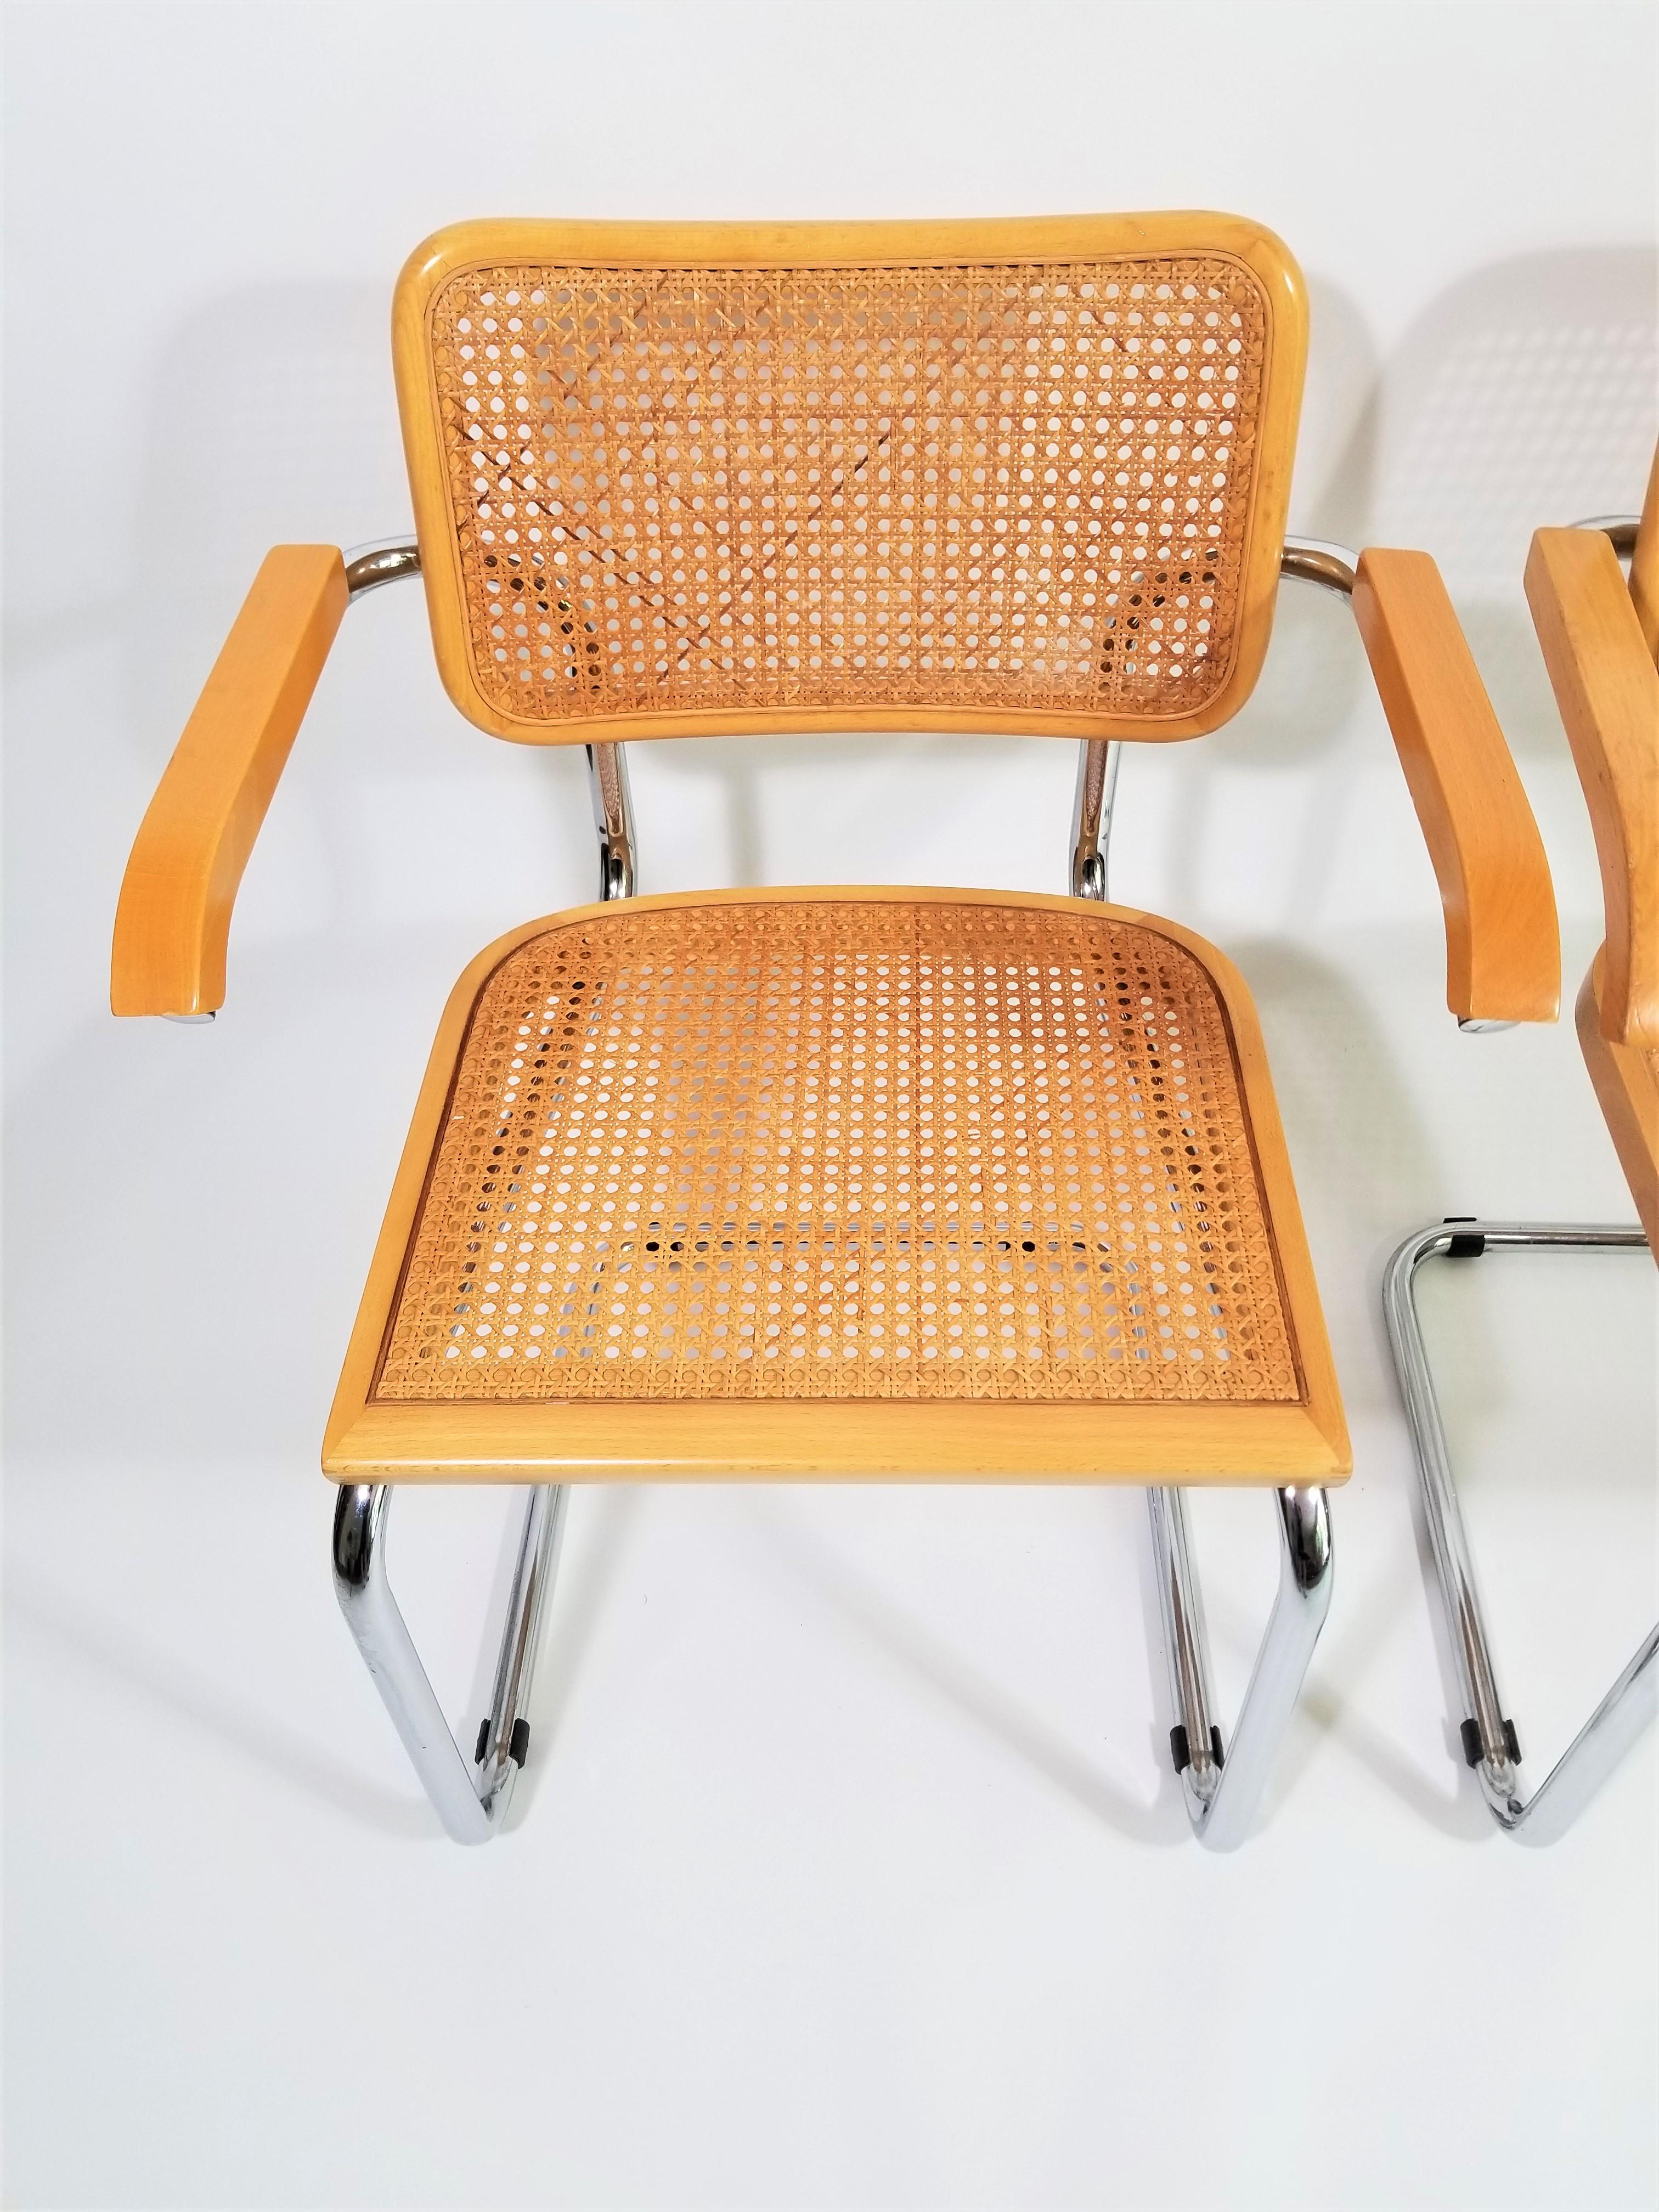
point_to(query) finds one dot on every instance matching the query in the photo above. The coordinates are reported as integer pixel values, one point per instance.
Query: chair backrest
(697, 478)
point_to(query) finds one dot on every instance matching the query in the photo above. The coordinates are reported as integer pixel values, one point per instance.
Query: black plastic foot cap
(518, 1748)
(1470, 1732)
(1181, 1748)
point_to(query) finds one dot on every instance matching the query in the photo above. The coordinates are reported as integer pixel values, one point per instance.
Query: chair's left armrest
(174, 917)
(1503, 942)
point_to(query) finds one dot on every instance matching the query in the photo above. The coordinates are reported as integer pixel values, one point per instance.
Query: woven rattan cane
(844, 1149)
(1018, 485)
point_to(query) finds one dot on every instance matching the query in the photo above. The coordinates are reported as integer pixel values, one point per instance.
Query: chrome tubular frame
(1491, 1744)
(471, 1806)
(1621, 528)
(1308, 560)
(1319, 561)
(380, 561)
(1098, 761)
(613, 817)
(1222, 1794)
(470, 1809)
(1222, 1790)
(1224, 1785)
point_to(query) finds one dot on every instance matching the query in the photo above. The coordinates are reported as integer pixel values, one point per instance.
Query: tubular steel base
(1224, 1788)
(471, 1808)
(1489, 1734)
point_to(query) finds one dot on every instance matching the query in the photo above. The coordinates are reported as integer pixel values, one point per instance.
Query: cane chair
(1600, 639)
(845, 1183)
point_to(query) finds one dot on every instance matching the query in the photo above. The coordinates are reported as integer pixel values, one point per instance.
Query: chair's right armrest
(1608, 690)
(1503, 944)
(174, 917)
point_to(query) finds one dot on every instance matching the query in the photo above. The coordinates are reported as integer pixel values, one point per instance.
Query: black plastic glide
(1180, 1747)
(518, 1748)
(1470, 1732)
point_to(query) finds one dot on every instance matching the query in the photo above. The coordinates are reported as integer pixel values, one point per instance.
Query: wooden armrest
(1608, 690)
(1503, 944)
(174, 917)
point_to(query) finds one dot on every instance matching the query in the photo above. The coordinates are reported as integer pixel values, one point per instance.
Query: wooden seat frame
(1600, 641)
(1503, 962)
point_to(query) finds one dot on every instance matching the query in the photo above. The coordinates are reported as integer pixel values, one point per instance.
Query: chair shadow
(205, 1709)
(967, 1689)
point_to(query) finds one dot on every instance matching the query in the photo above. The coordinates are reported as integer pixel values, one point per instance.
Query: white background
(845, 1870)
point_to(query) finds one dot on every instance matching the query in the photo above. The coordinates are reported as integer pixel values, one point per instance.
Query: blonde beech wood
(1626, 1083)
(1644, 563)
(1299, 1437)
(1503, 944)
(917, 604)
(173, 915)
(1608, 690)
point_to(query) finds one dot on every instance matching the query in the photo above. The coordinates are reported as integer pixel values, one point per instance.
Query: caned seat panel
(869, 1181)
(712, 476)
(848, 1149)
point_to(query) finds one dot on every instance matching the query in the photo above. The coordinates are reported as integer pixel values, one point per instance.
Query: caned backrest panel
(679, 479)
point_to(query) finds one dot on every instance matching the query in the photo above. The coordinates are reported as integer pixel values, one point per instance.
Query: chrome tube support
(1223, 1785)
(381, 560)
(613, 817)
(1098, 761)
(471, 1808)
(1492, 1744)
(1311, 560)
(1620, 528)
(1319, 561)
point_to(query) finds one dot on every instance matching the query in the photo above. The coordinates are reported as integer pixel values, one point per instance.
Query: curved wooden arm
(174, 917)
(1608, 690)
(1503, 944)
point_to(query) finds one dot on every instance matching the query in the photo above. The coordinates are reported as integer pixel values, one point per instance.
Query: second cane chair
(1600, 639)
(845, 1183)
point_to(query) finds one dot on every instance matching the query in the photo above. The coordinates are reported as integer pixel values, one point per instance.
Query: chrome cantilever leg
(1223, 1787)
(471, 1810)
(1491, 1745)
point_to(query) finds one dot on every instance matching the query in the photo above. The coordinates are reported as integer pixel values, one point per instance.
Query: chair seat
(895, 1161)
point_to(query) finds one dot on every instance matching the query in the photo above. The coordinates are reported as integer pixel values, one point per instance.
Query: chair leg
(1491, 1744)
(471, 1809)
(1223, 1791)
